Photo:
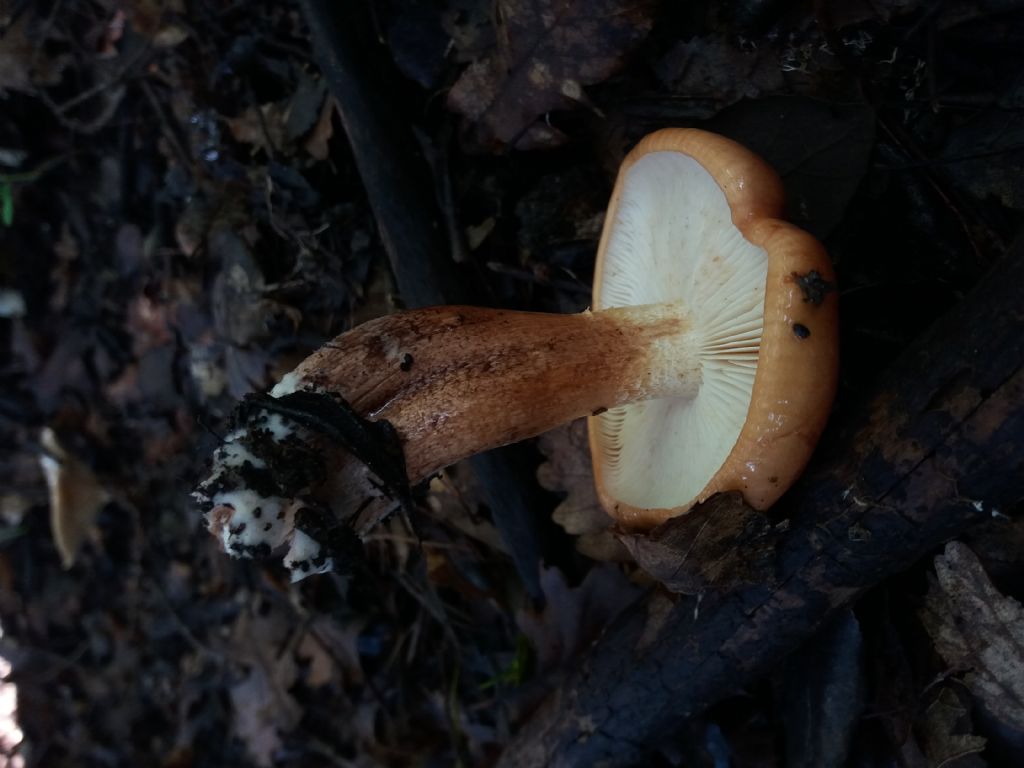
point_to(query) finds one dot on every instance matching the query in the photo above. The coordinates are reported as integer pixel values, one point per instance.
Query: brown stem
(455, 381)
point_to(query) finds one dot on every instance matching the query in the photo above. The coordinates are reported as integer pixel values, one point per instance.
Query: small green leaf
(6, 204)
(516, 672)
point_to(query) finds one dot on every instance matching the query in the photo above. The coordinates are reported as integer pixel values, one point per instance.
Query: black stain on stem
(374, 443)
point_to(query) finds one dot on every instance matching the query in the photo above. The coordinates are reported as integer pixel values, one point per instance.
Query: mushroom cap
(694, 219)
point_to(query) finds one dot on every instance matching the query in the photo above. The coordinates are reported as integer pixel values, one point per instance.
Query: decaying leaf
(568, 470)
(976, 627)
(24, 63)
(155, 20)
(717, 69)
(258, 712)
(945, 729)
(318, 141)
(468, 24)
(688, 553)
(263, 127)
(455, 498)
(276, 127)
(547, 51)
(573, 616)
(262, 706)
(76, 497)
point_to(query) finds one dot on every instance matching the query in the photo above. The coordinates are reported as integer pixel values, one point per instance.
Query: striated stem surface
(455, 381)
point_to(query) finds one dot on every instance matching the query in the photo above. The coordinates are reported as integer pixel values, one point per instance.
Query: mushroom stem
(455, 381)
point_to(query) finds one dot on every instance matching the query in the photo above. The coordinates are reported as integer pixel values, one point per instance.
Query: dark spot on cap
(814, 286)
(257, 512)
(406, 363)
(267, 526)
(801, 331)
(599, 411)
(238, 529)
(773, 479)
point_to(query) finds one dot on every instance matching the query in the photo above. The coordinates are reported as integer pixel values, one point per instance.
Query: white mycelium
(305, 557)
(247, 522)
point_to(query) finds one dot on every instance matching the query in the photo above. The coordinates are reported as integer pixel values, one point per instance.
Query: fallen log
(939, 448)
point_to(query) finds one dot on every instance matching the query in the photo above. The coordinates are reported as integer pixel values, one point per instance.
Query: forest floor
(182, 220)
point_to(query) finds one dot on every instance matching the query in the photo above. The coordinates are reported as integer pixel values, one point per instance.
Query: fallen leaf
(318, 141)
(340, 639)
(468, 24)
(688, 553)
(568, 470)
(263, 127)
(976, 627)
(305, 106)
(945, 729)
(24, 63)
(153, 19)
(76, 497)
(319, 664)
(262, 707)
(572, 616)
(258, 714)
(715, 68)
(547, 51)
(455, 498)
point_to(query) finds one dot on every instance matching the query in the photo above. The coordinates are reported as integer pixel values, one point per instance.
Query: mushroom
(708, 364)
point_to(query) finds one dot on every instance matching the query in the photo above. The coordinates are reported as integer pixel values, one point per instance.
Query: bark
(939, 448)
(393, 173)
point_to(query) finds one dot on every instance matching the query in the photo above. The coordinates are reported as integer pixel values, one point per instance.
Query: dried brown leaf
(320, 665)
(263, 127)
(76, 497)
(24, 63)
(341, 641)
(153, 19)
(547, 51)
(976, 627)
(318, 141)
